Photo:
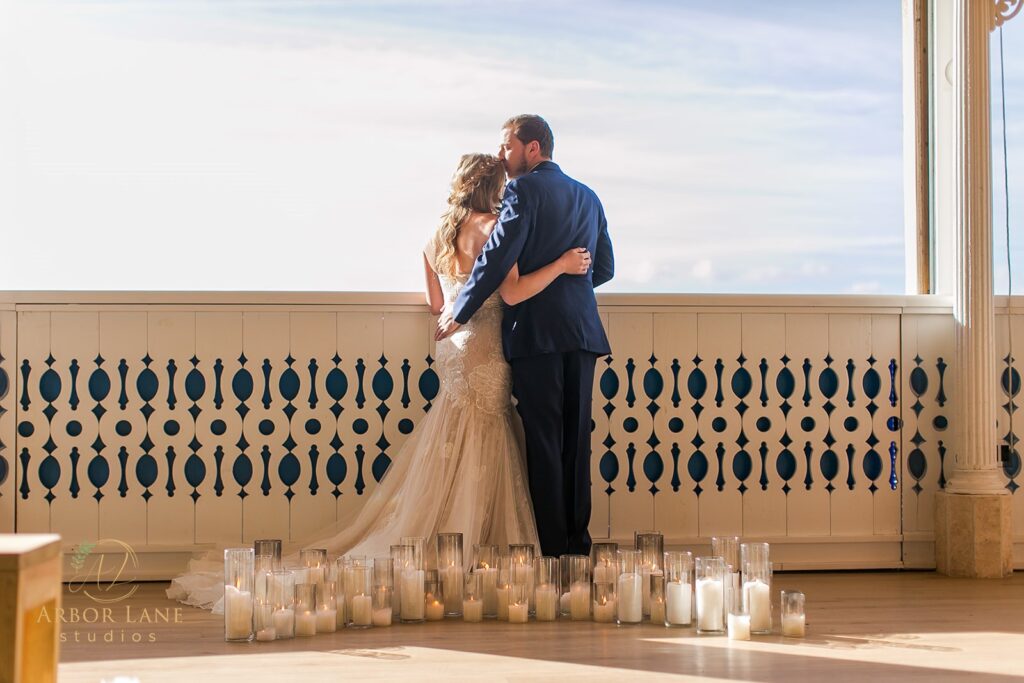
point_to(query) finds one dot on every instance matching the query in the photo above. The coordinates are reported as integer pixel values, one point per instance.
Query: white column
(977, 460)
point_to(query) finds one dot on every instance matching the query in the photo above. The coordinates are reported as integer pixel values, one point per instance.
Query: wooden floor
(861, 626)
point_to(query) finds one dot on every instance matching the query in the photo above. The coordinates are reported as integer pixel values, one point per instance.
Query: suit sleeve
(604, 257)
(500, 253)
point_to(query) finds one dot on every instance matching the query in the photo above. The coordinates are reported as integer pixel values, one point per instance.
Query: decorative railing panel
(814, 422)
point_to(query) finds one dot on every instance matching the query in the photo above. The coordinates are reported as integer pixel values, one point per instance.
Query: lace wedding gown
(462, 469)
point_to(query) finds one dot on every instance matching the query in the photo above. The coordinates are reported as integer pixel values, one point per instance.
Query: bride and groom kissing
(511, 271)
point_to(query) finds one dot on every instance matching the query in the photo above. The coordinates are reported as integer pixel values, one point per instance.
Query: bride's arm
(434, 295)
(516, 289)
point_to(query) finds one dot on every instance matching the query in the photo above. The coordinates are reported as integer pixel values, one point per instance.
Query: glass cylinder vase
(576, 586)
(757, 585)
(678, 588)
(629, 588)
(238, 594)
(546, 591)
(433, 596)
(473, 597)
(305, 609)
(604, 561)
(794, 620)
(710, 591)
(452, 572)
(282, 599)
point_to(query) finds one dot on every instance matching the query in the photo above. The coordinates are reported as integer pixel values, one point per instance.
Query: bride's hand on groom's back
(576, 261)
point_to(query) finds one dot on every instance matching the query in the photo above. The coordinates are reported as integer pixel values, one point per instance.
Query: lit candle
(630, 598)
(434, 610)
(502, 598)
(412, 594)
(658, 611)
(547, 603)
(757, 598)
(678, 608)
(518, 614)
(362, 610)
(284, 622)
(382, 616)
(793, 625)
(237, 613)
(472, 610)
(305, 624)
(490, 589)
(604, 611)
(709, 604)
(265, 634)
(579, 608)
(326, 620)
(739, 626)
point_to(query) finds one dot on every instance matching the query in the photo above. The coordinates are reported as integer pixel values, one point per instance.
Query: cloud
(309, 146)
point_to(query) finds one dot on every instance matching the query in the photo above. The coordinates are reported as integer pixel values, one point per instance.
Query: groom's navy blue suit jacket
(544, 213)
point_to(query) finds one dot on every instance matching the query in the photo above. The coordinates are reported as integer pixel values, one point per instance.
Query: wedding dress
(461, 470)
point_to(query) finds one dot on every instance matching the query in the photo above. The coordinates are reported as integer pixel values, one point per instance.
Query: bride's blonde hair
(476, 186)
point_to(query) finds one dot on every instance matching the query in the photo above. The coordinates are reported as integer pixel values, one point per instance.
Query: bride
(462, 469)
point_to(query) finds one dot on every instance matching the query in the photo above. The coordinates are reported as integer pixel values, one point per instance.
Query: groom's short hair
(530, 127)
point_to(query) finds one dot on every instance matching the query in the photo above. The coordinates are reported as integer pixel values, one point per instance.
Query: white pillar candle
(502, 598)
(362, 610)
(658, 611)
(266, 634)
(709, 604)
(237, 613)
(518, 614)
(757, 600)
(579, 601)
(412, 594)
(490, 588)
(793, 625)
(604, 613)
(453, 580)
(629, 598)
(472, 610)
(305, 624)
(547, 603)
(678, 596)
(434, 610)
(326, 620)
(739, 626)
(284, 622)
(382, 616)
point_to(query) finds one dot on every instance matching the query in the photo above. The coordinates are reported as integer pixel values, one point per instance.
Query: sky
(737, 146)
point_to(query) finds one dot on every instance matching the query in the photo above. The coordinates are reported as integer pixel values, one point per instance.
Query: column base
(973, 535)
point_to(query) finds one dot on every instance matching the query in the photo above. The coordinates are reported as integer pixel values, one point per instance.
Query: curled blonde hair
(476, 186)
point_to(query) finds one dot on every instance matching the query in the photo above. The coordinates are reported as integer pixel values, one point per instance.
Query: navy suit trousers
(554, 393)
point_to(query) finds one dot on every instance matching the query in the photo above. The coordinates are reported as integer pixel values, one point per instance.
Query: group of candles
(728, 592)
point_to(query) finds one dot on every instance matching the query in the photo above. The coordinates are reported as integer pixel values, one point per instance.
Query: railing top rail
(11, 299)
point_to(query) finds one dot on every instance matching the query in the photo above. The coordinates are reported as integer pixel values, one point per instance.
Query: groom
(552, 340)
